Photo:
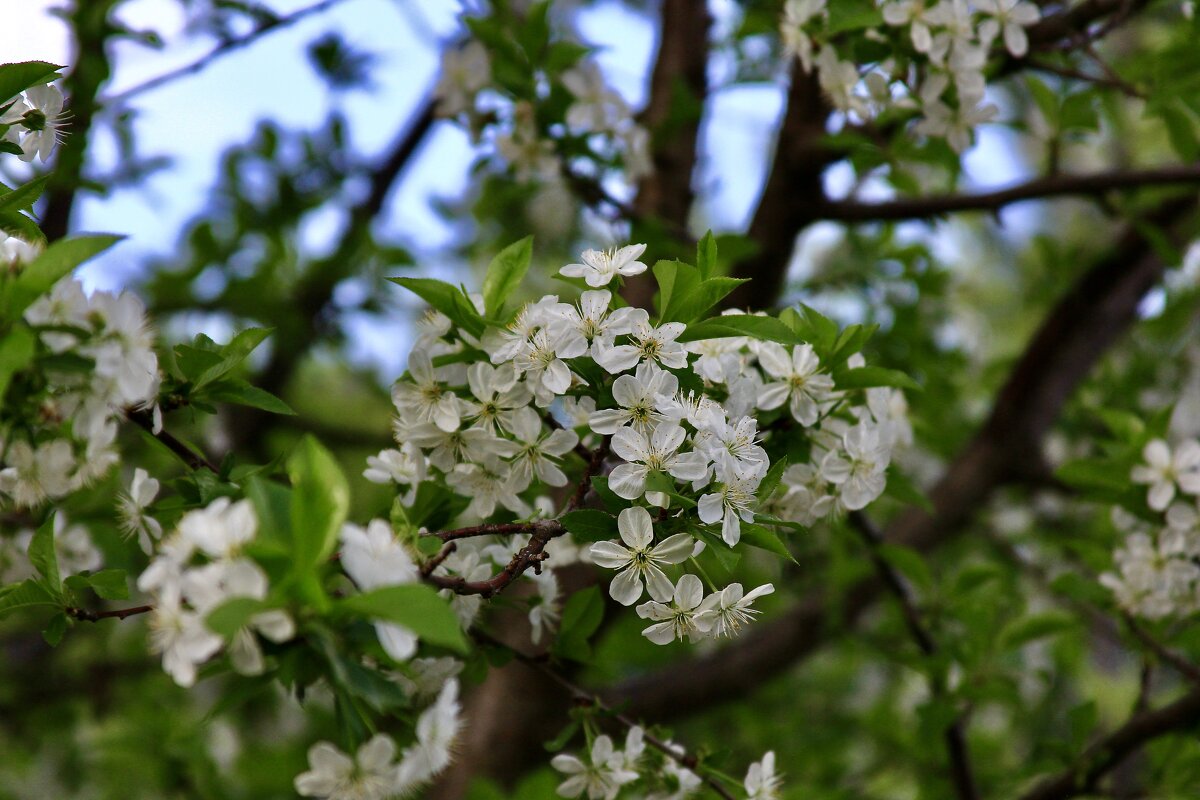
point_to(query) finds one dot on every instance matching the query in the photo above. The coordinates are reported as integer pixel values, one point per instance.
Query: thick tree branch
(678, 88)
(1037, 189)
(1107, 753)
(1075, 334)
(792, 195)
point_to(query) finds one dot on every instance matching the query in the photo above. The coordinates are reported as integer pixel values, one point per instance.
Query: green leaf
(447, 299)
(14, 223)
(44, 558)
(231, 616)
(766, 539)
(674, 278)
(607, 496)
(414, 606)
(16, 353)
(696, 301)
(239, 392)
(706, 255)
(590, 524)
(910, 563)
(504, 275)
(581, 616)
(771, 480)
(54, 630)
(108, 584)
(434, 506)
(320, 501)
(1110, 476)
(867, 377)
(232, 354)
(23, 197)
(1038, 626)
(766, 328)
(16, 78)
(28, 593)
(47, 269)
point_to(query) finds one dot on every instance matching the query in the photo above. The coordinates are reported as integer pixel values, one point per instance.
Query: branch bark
(1074, 335)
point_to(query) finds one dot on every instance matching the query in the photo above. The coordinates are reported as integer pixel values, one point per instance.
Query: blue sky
(192, 120)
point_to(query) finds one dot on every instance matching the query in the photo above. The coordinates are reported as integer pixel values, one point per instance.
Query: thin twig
(498, 529)
(227, 46)
(961, 772)
(1109, 80)
(145, 420)
(1165, 654)
(583, 697)
(85, 615)
(1037, 189)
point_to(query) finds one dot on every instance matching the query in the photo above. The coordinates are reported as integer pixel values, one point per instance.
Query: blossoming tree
(621, 489)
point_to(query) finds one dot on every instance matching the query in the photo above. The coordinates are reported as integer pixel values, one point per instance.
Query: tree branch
(194, 460)
(1108, 752)
(1073, 336)
(584, 698)
(1037, 189)
(84, 615)
(226, 46)
(961, 774)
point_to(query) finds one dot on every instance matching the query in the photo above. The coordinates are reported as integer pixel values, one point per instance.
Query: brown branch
(961, 773)
(84, 615)
(225, 47)
(1037, 189)
(678, 89)
(144, 419)
(1108, 752)
(792, 195)
(497, 529)
(531, 555)
(1080, 328)
(582, 697)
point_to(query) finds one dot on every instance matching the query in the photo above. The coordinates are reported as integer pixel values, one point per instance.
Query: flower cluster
(74, 550)
(95, 360)
(650, 774)
(530, 144)
(198, 568)
(1158, 568)
(937, 66)
(375, 772)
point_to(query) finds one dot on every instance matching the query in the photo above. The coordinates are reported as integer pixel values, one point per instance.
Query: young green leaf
(504, 275)
(320, 500)
(414, 606)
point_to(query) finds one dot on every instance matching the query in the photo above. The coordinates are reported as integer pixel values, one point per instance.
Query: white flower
(505, 345)
(656, 453)
(543, 616)
(498, 395)
(405, 466)
(647, 343)
(537, 449)
(681, 617)
(65, 305)
(541, 363)
(597, 108)
(639, 558)
(731, 502)
(126, 365)
(798, 381)
(761, 781)
(448, 449)
(181, 636)
(1164, 470)
(592, 321)
(683, 780)
(861, 474)
(38, 119)
(599, 267)
(796, 16)
(131, 511)
(371, 775)
(36, 474)
(465, 71)
(956, 124)
(220, 529)
(601, 777)
(1156, 579)
(374, 557)
(1012, 16)
(838, 80)
(488, 483)
(732, 446)
(426, 399)
(209, 586)
(719, 359)
(915, 14)
(638, 397)
(727, 610)
(437, 728)
(635, 746)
